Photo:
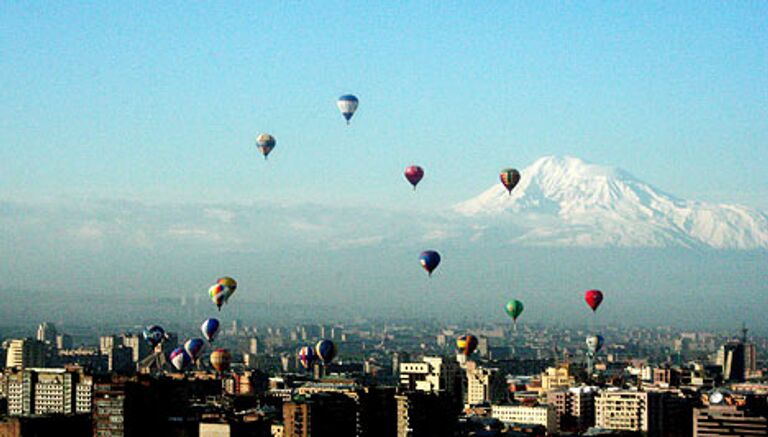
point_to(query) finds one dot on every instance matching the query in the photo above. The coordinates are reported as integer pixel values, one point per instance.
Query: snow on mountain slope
(565, 201)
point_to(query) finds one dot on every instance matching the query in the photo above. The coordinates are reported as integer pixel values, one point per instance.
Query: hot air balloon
(228, 282)
(210, 328)
(326, 351)
(180, 358)
(265, 143)
(154, 335)
(429, 259)
(347, 105)
(593, 298)
(466, 344)
(222, 290)
(218, 294)
(220, 360)
(594, 344)
(514, 308)
(194, 348)
(414, 173)
(509, 177)
(307, 356)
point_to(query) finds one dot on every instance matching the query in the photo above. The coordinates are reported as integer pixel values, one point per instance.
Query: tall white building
(49, 391)
(433, 374)
(484, 385)
(627, 410)
(26, 352)
(545, 415)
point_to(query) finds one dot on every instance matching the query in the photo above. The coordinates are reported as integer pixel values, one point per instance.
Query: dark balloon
(414, 173)
(154, 335)
(326, 351)
(429, 259)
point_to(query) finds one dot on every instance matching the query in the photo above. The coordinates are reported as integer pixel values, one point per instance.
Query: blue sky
(162, 102)
(128, 164)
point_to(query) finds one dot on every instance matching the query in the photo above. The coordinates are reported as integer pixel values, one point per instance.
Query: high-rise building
(49, 391)
(433, 374)
(320, 414)
(254, 346)
(575, 407)
(107, 342)
(423, 414)
(25, 353)
(109, 410)
(46, 332)
(731, 357)
(139, 346)
(63, 341)
(656, 412)
(485, 385)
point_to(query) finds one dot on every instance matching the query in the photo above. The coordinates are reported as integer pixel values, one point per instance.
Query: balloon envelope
(194, 348)
(218, 293)
(265, 144)
(429, 260)
(466, 344)
(325, 350)
(307, 356)
(413, 174)
(594, 343)
(210, 328)
(514, 308)
(347, 104)
(593, 298)
(179, 358)
(220, 360)
(154, 335)
(509, 178)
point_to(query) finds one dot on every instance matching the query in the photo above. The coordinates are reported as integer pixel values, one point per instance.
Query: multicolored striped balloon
(509, 178)
(265, 143)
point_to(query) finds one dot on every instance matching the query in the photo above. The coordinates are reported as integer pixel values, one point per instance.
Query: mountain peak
(565, 200)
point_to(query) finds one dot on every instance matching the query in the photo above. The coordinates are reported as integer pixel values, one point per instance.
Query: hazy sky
(117, 118)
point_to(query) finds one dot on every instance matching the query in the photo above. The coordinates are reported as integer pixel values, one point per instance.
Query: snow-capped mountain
(566, 201)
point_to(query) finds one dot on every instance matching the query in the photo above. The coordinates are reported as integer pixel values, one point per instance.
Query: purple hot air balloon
(210, 328)
(194, 348)
(179, 358)
(414, 173)
(429, 259)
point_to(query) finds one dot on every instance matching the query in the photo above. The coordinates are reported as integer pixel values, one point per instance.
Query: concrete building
(622, 410)
(731, 356)
(138, 345)
(109, 410)
(556, 377)
(433, 374)
(425, 414)
(575, 407)
(46, 332)
(25, 353)
(321, 414)
(727, 420)
(485, 385)
(544, 415)
(64, 341)
(39, 391)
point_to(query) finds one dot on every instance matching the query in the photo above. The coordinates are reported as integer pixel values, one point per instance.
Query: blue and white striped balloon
(347, 105)
(210, 328)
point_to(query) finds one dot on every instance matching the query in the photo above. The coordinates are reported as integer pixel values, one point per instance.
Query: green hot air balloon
(514, 308)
